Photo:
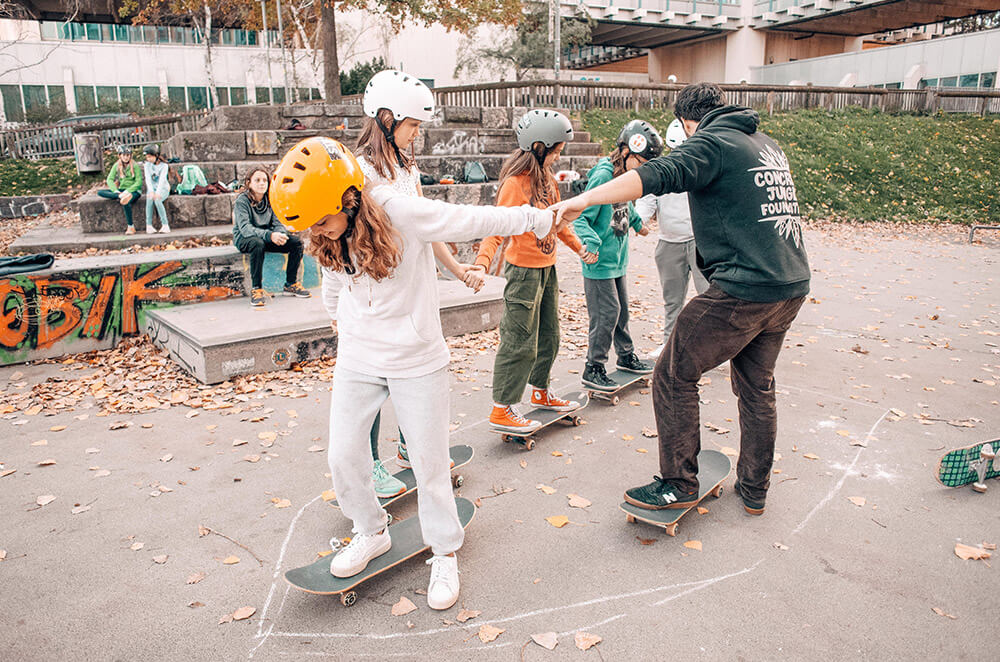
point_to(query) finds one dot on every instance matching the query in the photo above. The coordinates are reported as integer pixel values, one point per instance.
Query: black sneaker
(752, 506)
(631, 363)
(660, 494)
(296, 290)
(258, 298)
(595, 377)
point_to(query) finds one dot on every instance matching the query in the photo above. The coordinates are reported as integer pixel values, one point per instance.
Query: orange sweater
(525, 250)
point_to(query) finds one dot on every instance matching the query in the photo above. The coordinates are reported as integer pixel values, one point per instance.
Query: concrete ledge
(217, 341)
(21, 206)
(49, 239)
(98, 215)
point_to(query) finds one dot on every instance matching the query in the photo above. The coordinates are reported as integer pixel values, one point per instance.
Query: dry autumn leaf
(693, 544)
(810, 456)
(545, 488)
(268, 436)
(160, 560)
(558, 521)
(46, 463)
(243, 613)
(941, 612)
(546, 639)
(488, 633)
(857, 500)
(167, 457)
(314, 449)
(203, 530)
(232, 559)
(702, 510)
(585, 640)
(646, 432)
(40, 442)
(524, 464)
(404, 606)
(967, 552)
(641, 450)
(195, 578)
(225, 618)
(253, 459)
(57, 428)
(45, 499)
(577, 501)
(329, 495)
(239, 442)
(136, 546)
(627, 437)
(556, 453)
(467, 614)
(281, 503)
(80, 509)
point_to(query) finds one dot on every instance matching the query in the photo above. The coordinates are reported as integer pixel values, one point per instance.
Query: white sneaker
(355, 557)
(150, 229)
(442, 591)
(655, 354)
(165, 229)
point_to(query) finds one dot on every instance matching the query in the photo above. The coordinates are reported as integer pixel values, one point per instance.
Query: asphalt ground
(893, 361)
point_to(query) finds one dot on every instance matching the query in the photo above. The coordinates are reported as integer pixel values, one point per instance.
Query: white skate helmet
(545, 126)
(401, 93)
(675, 134)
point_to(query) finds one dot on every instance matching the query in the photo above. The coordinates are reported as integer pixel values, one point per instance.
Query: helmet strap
(345, 251)
(390, 138)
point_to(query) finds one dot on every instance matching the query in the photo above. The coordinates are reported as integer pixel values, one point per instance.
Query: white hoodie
(673, 215)
(392, 328)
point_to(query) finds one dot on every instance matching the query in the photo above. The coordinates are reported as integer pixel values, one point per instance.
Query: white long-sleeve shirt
(673, 215)
(156, 177)
(392, 328)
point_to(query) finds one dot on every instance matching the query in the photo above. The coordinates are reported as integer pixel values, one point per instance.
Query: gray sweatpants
(607, 305)
(674, 261)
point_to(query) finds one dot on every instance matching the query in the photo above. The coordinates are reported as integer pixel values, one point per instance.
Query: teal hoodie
(744, 209)
(595, 229)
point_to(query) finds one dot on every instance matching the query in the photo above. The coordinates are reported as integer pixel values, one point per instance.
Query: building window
(950, 81)
(121, 32)
(237, 96)
(85, 101)
(34, 97)
(197, 98)
(988, 80)
(279, 95)
(223, 93)
(150, 94)
(927, 82)
(262, 95)
(50, 30)
(314, 93)
(130, 97)
(107, 95)
(177, 98)
(969, 80)
(12, 102)
(893, 86)
(57, 97)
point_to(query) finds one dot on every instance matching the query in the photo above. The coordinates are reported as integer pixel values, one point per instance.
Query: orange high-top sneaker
(508, 420)
(541, 397)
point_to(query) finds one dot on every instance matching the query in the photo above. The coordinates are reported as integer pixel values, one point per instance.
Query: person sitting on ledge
(256, 230)
(124, 182)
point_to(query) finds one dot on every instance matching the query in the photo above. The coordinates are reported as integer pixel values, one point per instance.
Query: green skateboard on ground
(973, 464)
(547, 417)
(407, 542)
(622, 379)
(713, 468)
(460, 456)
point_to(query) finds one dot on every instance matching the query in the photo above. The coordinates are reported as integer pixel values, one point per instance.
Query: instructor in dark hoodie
(748, 232)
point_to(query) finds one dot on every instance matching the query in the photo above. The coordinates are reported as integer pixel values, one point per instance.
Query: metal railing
(54, 140)
(583, 95)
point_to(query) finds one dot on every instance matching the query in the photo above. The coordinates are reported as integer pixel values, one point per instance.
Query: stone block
(243, 169)
(446, 142)
(32, 205)
(261, 143)
(498, 141)
(219, 208)
(462, 114)
(488, 192)
(303, 110)
(496, 118)
(214, 172)
(464, 194)
(343, 110)
(582, 149)
(184, 211)
(208, 146)
(246, 118)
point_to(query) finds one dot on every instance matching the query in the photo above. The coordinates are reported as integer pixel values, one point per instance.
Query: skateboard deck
(547, 417)
(970, 465)
(460, 455)
(713, 468)
(407, 542)
(623, 379)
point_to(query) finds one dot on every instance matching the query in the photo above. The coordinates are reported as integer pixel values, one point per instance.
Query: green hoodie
(596, 231)
(130, 180)
(744, 210)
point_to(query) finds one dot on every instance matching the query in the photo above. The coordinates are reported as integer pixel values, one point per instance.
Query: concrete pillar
(161, 77)
(744, 49)
(911, 80)
(69, 90)
(251, 88)
(853, 44)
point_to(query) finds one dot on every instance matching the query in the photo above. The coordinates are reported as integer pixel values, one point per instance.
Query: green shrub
(44, 176)
(865, 165)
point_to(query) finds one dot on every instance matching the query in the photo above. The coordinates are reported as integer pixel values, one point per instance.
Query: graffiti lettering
(459, 143)
(58, 308)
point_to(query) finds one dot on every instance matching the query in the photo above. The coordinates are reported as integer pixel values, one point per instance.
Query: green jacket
(744, 209)
(596, 230)
(130, 181)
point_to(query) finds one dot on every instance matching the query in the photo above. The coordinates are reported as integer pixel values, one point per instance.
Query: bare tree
(18, 11)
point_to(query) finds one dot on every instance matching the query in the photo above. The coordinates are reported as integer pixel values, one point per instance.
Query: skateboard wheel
(615, 400)
(576, 421)
(630, 519)
(457, 481)
(348, 599)
(671, 530)
(717, 492)
(980, 487)
(505, 438)
(529, 444)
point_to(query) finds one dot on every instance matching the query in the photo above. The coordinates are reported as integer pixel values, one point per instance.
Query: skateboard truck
(987, 456)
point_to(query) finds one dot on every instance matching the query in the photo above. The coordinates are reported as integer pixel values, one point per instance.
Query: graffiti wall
(60, 312)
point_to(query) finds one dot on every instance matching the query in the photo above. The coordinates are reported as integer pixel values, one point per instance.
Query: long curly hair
(376, 246)
(544, 189)
(618, 156)
(377, 150)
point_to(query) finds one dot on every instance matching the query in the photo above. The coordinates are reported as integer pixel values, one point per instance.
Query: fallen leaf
(731, 452)
(702, 510)
(120, 425)
(627, 437)
(967, 552)
(843, 433)
(281, 503)
(243, 613)
(545, 488)
(404, 606)
(57, 428)
(641, 450)
(940, 612)
(810, 456)
(693, 544)
(239, 442)
(556, 453)
(160, 559)
(466, 614)
(45, 499)
(252, 458)
(783, 548)
(195, 578)
(857, 501)
(268, 436)
(645, 541)
(329, 495)
(646, 432)
(3, 554)
(40, 442)
(315, 449)
(546, 639)
(80, 509)
(7, 472)
(33, 411)
(46, 463)
(136, 546)
(167, 457)
(585, 640)
(524, 464)
(203, 530)
(558, 521)
(577, 501)
(231, 560)
(226, 618)
(488, 633)
(859, 442)
(147, 426)
(196, 604)
(102, 473)
(92, 450)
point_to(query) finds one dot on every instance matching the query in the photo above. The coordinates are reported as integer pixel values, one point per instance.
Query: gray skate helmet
(151, 148)
(122, 149)
(641, 139)
(543, 126)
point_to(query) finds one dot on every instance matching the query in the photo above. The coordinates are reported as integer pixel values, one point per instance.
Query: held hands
(643, 231)
(587, 256)
(568, 210)
(279, 238)
(475, 276)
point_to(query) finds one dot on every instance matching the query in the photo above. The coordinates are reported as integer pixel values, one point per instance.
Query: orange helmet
(310, 181)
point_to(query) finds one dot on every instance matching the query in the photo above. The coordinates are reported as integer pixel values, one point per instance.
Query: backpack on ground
(475, 173)
(578, 186)
(427, 180)
(191, 176)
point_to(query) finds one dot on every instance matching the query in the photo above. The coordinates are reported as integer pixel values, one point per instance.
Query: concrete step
(219, 340)
(46, 238)
(583, 149)
(98, 215)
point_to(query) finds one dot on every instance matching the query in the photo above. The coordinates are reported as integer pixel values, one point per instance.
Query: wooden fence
(37, 142)
(582, 95)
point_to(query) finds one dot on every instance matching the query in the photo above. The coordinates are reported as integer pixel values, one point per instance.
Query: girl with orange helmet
(529, 328)
(379, 275)
(395, 104)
